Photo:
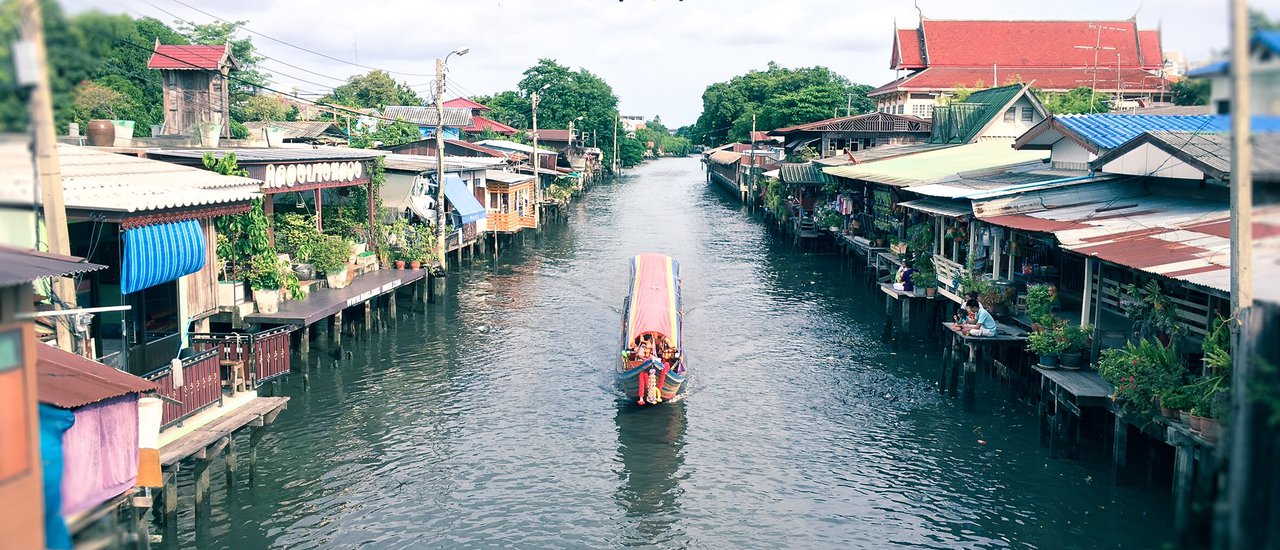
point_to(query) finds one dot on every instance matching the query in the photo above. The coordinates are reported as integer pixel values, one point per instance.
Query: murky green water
(491, 420)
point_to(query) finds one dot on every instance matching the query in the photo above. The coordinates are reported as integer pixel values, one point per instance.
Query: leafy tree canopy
(509, 108)
(777, 97)
(373, 90)
(566, 95)
(1191, 91)
(263, 107)
(387, 134)
(1078, 101)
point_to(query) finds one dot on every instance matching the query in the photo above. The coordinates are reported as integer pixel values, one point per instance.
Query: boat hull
(629, 380)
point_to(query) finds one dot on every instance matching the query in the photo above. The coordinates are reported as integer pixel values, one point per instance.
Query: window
(902, 108)
(922, 110)
(1011, 114)
(1027, 114)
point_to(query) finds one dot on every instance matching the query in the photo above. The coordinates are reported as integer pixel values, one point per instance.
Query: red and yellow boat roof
(655, 298)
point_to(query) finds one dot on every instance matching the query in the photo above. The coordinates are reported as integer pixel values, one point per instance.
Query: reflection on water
(650, 448)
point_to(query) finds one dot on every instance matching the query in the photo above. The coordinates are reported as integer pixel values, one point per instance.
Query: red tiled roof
(1055, 79)
(1152, 53)
(477, 148)
(188, 57)
(906, 50)
(480, 124)
(66, 380)
(1031, 43)
(464, 103)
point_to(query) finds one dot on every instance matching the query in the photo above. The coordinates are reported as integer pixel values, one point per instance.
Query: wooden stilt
(201, 471)
(904, 333)
(233, 464)
(304, 344)
(169, 494)
(368, 315)
(887, 336)
(255, 437)
(391, 305)
(335, 330)
(968, 396)
(1119, 450)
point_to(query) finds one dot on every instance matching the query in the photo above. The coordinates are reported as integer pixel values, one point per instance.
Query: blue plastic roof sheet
(160, 253)
(1109, 130)
(462, 200)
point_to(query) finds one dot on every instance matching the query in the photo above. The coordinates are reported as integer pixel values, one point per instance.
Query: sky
(658, 55)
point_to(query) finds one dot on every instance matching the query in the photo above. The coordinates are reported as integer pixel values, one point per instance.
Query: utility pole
(615, 145)
(848, 105)
(1250, 443)
(440, 248)
(537, 184)
(49, 171)
(1096, 47)
(754, 177)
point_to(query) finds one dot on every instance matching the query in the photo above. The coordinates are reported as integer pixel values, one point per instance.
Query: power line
(273, 39)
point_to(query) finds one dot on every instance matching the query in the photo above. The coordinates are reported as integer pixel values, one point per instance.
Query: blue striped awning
(464, 203)
(160, 253)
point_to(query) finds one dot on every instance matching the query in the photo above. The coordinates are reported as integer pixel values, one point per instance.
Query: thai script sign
(310, 175)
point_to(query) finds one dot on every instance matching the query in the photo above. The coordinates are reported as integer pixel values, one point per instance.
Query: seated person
(902, 279)
(984, 324)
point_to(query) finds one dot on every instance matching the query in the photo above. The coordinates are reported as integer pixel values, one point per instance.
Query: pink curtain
(100, 453)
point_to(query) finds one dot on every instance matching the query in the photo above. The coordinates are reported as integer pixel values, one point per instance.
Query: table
(951, 378)
(1063, 394)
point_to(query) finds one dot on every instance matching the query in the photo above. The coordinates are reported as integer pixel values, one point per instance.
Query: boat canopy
(655, 298)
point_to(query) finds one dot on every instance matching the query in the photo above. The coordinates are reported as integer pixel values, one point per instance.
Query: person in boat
(984, 325)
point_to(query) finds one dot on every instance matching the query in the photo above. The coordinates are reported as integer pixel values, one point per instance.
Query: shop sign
(313, 174)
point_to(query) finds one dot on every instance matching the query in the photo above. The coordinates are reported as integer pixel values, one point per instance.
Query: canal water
(491, 420)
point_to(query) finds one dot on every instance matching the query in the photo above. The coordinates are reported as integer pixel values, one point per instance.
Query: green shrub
(330, 253)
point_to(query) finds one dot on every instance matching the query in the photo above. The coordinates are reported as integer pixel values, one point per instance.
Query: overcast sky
(658, 55)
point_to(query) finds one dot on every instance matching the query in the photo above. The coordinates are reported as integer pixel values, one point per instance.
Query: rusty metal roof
(67, 380)
(19, 265)
(725, 157)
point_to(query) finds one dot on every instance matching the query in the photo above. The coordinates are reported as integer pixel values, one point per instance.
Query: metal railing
(201, 387)
(265, 354)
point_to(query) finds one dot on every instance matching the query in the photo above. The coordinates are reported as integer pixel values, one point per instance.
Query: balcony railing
(265, 354)
(510, 221)
(201, 387)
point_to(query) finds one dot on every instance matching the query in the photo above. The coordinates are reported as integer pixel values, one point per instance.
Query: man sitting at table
(985, 324)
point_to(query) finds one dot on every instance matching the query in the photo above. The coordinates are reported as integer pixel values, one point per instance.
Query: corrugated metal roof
(803, 173)
(506, 177)
(425, 163)
(1177, 237)
(962, 122)
(725, 157)
(550, 134)
(67, 381)
(16, 171)
(99, 181)
(21, 265)
(302, 153)
(297, 130)
(464, 103)
(937, 164)
(426, 116)
(504, 145)
(942, 207)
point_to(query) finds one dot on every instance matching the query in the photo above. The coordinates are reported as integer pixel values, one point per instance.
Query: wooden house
(510, 203)
(196, 85)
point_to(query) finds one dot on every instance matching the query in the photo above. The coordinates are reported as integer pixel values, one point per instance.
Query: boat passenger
(984, 325)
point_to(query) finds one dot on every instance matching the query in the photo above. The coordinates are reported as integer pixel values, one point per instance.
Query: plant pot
(336, 278)
(157, 129)
(1184, 417)
(415, 264)
(918, 291)
(399, 264)
(1049, 361)
(1197, 423)
(1167, 412)
(124, 132)
(1209, 428)
(931, 291)
(274, 135)
(358, 249)
(210, 134)
(268, 301)
(305, 272)
(1072, 361)
(230, 293)
(102, 133)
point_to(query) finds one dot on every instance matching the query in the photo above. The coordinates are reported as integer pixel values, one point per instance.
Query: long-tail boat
(652, 367)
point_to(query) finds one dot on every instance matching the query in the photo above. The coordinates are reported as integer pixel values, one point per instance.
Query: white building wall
(1149, 160)
(1069, 155)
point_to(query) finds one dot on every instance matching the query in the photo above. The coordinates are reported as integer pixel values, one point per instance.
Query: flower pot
(1072, 360)
(268, 301)
(918, 291)
(1167, 412)
(102, 133)
(399, 264)
(124, 132)
(1184, 417)
(336, 278)
(157, 129)
(274, 135)
(415, 264)
(1209, 428)
(210, 134)
(305, 272)
(1049, 361)
(931, 291)
(1197, 423)
(230, 293)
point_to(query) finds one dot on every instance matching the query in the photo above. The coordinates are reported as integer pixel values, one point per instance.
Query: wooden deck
(324, 303)
(260, 411)
(1085, 387)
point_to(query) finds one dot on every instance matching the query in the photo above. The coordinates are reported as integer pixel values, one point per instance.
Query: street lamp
(440, 249)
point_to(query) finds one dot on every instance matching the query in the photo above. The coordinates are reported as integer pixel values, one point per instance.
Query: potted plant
(1141, 372)
(831, 219)
(1077, 341)
(925, 277)
(1048, 346)
(329, 255)
(1039, 306)
(1217, 348)
(1173, 400)
(210, 134)
(265, 279)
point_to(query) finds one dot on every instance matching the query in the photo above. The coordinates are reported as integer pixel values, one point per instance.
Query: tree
(509, 108)
(94, 100)
(566, 95)
(387, 134)
(1191, 92)
(262, 107)
(630, 151)
(1078, 101)
(373, 90)
(777, 97)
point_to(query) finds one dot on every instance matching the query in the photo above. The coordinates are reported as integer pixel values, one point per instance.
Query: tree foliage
(387, 134)
(777, 97)
(263, 107)
(566, 94)
(1191, 91)
(509, 108)
(1081, 100)
(373, 90)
